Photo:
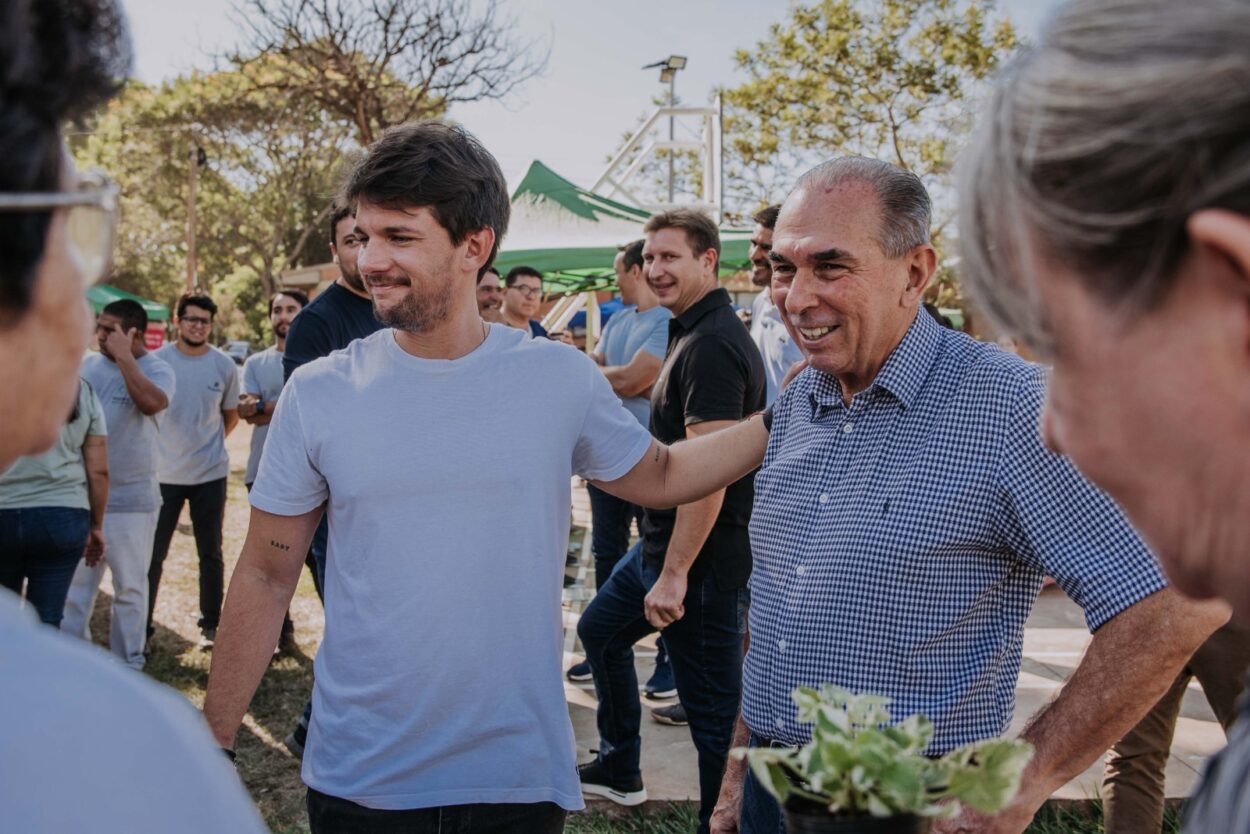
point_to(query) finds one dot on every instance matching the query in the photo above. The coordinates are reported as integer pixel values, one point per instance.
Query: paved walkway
(1054, 640)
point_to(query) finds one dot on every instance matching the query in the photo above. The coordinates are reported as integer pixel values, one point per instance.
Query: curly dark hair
(59, 60)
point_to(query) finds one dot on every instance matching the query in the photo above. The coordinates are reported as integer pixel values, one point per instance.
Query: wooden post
(193, 175)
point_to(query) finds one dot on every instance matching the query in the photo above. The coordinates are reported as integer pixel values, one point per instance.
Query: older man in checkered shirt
(906, 513)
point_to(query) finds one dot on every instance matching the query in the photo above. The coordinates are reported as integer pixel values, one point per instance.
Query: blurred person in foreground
(1105, 223)
(52, 510)
(135, 754)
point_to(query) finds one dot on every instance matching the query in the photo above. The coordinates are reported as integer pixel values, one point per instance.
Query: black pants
(331, 815)
(208, 513)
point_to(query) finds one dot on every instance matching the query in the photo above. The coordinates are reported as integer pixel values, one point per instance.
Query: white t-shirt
(89, 745)
(439, 678)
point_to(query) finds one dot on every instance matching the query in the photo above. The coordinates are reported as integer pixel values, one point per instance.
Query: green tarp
(102, 294)
(572, 235)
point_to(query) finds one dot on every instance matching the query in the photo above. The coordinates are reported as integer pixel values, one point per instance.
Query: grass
(270, 773)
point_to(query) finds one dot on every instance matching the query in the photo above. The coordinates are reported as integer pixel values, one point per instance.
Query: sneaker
(569, 581)
(674, 715)
(595, 782)
(207, 637)
(661, 687)
(295, 741)
(571, 560)
(579, 672)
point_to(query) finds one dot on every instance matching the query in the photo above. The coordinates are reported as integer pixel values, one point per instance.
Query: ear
(1225, 234)
(477, 246)
(709, 259)
(334, 253)
(921, 265)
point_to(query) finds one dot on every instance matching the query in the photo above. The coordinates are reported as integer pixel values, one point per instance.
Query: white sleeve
(288, 481)
(612, 441)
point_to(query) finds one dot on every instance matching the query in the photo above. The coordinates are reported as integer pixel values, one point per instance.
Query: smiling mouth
(813, 334)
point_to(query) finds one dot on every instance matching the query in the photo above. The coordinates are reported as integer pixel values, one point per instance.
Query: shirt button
(824, 498)
(781, 645)
(801, 569)
(847, 428)
(780, 723)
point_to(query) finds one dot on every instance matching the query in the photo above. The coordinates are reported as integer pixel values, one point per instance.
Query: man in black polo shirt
(687, 576)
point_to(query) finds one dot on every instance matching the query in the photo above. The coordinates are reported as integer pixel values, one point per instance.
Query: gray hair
(905, 204)
(1095, 148)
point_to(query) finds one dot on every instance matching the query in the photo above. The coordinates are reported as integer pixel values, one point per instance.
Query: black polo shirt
(712, 371)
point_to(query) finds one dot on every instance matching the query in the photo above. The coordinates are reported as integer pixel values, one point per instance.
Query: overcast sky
(593, 90)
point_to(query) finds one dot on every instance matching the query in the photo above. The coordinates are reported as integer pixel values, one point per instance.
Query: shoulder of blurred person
(137, 755)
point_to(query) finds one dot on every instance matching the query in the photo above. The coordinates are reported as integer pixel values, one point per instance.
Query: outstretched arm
(668, 476)
(260, 591)
(1130, 663)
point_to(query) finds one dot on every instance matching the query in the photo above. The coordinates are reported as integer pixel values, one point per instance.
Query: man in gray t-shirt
(134, 388)
(263, 378)
(193, 460)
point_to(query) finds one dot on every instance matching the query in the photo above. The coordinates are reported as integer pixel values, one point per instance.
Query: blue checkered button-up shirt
(900, 542)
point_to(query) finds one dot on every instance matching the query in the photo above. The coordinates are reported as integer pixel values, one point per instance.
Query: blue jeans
(42, 546)
(609, 530)
(705, 648)
(760, 812)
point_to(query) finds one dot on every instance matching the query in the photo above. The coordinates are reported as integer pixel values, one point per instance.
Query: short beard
(414, 315)
(281, 330)
(761, 282)
(188, 342)
(354, 280)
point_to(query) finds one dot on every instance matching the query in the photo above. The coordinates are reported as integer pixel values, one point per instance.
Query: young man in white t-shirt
(384, 436)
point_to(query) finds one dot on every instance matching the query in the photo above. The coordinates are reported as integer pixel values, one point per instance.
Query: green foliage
(859, 763)
(891, 79)
(268, 173)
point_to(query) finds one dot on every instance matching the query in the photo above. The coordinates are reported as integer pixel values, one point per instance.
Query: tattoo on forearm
(279, 545)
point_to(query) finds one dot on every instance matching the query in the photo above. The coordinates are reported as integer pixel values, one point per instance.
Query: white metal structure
(614, 182)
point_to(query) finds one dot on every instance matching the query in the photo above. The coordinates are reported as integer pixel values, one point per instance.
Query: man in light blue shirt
(767, 329)
(630, 352)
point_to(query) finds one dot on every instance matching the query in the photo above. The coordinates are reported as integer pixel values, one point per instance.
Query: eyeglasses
(528, 292)
(199, 321)
(90, 224)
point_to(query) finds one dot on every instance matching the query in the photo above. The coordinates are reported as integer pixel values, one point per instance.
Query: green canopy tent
(158, 314)
(102, 294)
(571, 235)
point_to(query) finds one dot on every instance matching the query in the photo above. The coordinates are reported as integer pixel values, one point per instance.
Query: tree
(892, 79)
(267, 176)
(377, 63)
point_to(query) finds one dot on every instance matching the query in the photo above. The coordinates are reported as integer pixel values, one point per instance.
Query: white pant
(127, 552)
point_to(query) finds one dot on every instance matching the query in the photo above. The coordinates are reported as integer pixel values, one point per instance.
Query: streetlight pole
(668, 72)
(672, 102)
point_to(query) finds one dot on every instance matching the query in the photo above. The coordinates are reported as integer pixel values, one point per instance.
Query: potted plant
(861, 775)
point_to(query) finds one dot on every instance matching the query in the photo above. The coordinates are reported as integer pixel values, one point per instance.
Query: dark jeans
(42, 546)
(609, 530)
(760, 812)
(705, 648)
(208, 512)
(331, 815)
